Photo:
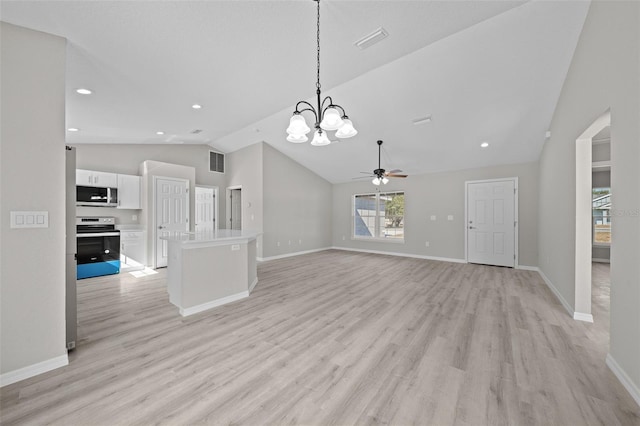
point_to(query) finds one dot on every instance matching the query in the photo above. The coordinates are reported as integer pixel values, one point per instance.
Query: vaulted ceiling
(483, 70)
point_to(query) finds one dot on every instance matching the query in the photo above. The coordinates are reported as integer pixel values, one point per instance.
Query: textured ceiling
(485, 70)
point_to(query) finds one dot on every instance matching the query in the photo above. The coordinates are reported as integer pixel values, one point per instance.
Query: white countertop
(130, 227)
(220, 236)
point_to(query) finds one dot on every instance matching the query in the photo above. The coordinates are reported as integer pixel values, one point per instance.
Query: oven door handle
(98, 234)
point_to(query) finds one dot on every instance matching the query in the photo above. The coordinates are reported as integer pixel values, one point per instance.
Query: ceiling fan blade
(362, 177)
(394, 171)
(366, 173)
(395, 175)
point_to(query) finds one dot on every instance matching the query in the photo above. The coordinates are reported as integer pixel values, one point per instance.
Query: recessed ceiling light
(196, 106)
(160, 133)
(72, 129)
(422, 120)
(484, 144)
(84, 91)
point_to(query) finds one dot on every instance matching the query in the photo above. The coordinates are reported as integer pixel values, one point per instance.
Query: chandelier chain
(318, 44)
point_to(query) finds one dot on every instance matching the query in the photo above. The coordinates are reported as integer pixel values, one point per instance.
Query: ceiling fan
(380, 175)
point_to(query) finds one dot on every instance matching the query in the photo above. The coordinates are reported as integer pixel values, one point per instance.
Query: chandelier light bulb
(298, 126)
(376, 180)
(297, 138)
(331, 120)
(385, 180)
(347, 130)
(320, 138)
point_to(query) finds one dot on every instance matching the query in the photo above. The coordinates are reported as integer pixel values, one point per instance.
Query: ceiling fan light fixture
(331, 120)
(385, 180)
(347, 130)
(376, 181)
(320, 138)
(298, 138)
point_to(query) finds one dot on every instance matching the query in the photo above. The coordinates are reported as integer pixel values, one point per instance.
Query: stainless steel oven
(98, 246)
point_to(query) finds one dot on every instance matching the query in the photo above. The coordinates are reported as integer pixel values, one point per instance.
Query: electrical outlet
(134, 217)
(426, 243)
(344, 238)
(278, 243)
(299, 241)
(289, 242)
(433, 217)
(450, 217)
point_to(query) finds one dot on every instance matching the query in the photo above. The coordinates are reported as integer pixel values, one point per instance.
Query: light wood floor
(332, 338)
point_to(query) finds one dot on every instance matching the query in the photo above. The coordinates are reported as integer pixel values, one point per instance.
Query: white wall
(604, 74)
(32, 177)
(244, 167)
(297, 206)
(440, 194)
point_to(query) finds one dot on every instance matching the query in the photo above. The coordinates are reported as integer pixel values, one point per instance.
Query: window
(379, 216)
(601, 212)
(216, 162)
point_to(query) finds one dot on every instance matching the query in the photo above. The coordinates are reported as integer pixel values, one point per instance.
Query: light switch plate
(235, 247)
(433, 217)
(29, 219)
(450, 217)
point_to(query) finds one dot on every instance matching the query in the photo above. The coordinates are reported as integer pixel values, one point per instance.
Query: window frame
(378, 225)
(595, 243)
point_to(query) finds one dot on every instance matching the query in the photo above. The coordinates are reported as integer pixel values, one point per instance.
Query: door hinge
(514, 257)
(515, 223)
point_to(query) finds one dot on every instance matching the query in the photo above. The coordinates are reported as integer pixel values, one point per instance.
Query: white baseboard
(33, 370)
(253, 284)
(598, 260)
(582, 317)
(297, 253)
(528, 268)
(414, 256)
(626, 381)
(555, 291)
(185, 312)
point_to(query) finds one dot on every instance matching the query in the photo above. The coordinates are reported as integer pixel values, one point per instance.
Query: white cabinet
(129, 192)
(93, 178)
(132, 249)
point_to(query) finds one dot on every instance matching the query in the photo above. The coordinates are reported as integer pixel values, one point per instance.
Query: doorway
(171, 214)
(491, 235)
(234, 207)
(584, 218)
(206, 209)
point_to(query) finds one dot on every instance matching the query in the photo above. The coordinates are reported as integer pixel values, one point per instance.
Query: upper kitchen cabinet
(129, 192)
(93, 178)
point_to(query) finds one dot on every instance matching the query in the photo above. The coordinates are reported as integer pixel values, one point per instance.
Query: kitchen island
(206, 270)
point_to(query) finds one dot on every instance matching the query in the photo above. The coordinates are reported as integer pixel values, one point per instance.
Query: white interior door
(172, 213)
(205, 209)
(235, 198)
(491, 222)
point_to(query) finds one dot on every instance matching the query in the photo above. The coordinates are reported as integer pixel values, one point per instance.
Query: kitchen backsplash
(123, 216)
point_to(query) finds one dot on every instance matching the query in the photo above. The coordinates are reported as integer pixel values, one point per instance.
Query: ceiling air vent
(196, 131)
(371, 39)
(216, 162)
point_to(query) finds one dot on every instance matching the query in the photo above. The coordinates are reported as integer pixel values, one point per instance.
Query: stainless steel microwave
(94, 196)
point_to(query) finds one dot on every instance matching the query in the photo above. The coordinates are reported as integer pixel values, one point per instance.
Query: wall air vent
(216, 162)
(371, 39)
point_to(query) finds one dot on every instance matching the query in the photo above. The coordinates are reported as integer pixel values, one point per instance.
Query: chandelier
(328, 116)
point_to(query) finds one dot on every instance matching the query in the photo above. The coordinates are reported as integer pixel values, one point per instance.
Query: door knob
(472, 227)
(160, 227)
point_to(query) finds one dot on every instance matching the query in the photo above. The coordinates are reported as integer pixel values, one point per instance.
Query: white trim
(414, 256)
(253, 284)
(33, 370)
(579, 316)
(185, 312)
(528, 268)
(598, 260)
(297, 253)
(516, 218)
(555, 291)
(624, 378)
